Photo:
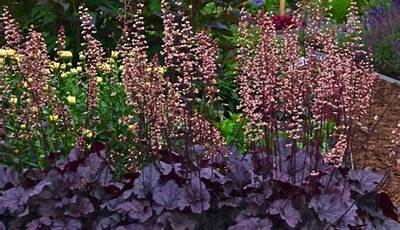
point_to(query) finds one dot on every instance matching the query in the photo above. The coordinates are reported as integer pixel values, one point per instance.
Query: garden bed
(377, 147)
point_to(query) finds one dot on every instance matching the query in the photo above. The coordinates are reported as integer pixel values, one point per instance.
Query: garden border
(388, 79)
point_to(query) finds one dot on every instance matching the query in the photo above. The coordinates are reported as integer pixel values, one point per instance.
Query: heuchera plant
(79, 192)
(298, 171)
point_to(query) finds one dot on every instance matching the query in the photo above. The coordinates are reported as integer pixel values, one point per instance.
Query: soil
(383, 114)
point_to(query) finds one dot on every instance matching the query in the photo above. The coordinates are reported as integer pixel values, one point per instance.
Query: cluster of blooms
(94, 55)
(12, 35)
(298, 88)
(61, 39)
(164, 96)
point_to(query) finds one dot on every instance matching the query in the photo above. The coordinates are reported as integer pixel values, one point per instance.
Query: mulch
(374, 150)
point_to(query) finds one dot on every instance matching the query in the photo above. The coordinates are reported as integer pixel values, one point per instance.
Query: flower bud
(66, 55)
(71, 100)
(10, 52)
(53, 117)
(13, 100)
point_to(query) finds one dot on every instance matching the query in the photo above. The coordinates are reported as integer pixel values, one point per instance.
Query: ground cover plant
(146, 150)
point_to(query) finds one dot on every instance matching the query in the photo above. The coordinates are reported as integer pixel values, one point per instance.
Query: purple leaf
(111, 205)
(81, 207)
(230, 202)
(330, 208)
(287, 212)
(139, 210)
(13, 198)
(39, 187)
(147, 181)
(38, 223)
(8, 176)
(69, 224)
(197, 196)
(169, 196)
(108, 222)
(252, 223)
(182, 222)
(387, 206)
(240, 174)
(364, 181)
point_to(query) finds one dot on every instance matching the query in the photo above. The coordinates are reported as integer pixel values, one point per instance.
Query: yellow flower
(74, 71)
(63, 66)
(30, 80)
(71, 100)
(66, 54)
(23, 126)
(99, 79)
(69, 64)
(18, 58)
(11, 52)
(106, 67)
(13, 100)
(114, 54)
(88, 133)
(161, 70)
(25, 84)
(131, 128)
(1, 60)
(82, 57)
(34, 109)
(64, 75)
(148, 70)
(79, 68)
(55, 65)
(3, 53)
(53, 117)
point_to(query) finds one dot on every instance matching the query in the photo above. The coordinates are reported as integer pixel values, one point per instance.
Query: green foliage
(232, 129)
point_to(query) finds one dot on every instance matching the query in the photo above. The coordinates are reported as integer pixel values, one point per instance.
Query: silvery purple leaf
(8, 176)
(212, 175)
(252, 223)
(110, 205)
(330, 208)
(39, 187)
(69, 224)
(91, 167)
(170, 196)
(82, 207)
(38, 223)
(147, 181)
(364, 181)
(166, 168)
(240, 172)
(138, 210)
(230, 202)
(287, 212)
(108, 222)
(182, 222)
(197, 196)
(13, 198)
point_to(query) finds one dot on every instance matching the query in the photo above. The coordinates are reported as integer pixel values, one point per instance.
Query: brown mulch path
(379, 145)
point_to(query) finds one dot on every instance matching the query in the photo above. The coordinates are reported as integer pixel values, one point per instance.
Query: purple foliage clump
(233, 192)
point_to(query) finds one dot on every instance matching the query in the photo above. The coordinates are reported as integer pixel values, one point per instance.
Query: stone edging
(388, 79)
